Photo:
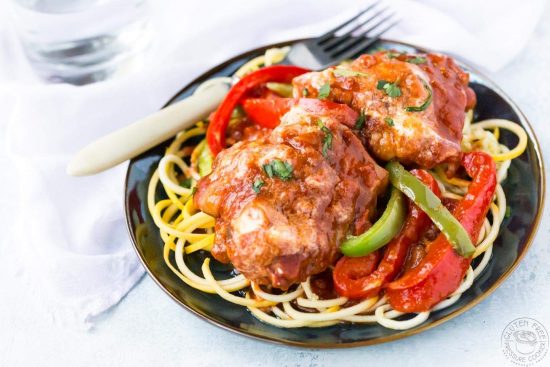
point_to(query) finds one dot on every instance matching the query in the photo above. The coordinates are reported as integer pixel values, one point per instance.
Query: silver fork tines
(358, 35)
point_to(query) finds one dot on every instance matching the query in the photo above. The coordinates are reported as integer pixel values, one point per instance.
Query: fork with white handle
(360, 32)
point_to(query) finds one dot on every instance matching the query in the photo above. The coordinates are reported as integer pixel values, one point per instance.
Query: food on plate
(285, 202)
(360, 193)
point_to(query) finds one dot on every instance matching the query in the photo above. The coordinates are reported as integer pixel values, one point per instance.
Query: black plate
(524, 189)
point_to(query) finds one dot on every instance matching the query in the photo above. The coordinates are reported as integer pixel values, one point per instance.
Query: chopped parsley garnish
(389, 121)
(508, 212)
(193, 190)
(324, 91)
(391, 89)
(360, 120)
(426, 103)
(348, 72)
(381, 83)
(417, 60)
(268, 168)
(278, 168)
(257, 185)
(327, 139)
(305, 92)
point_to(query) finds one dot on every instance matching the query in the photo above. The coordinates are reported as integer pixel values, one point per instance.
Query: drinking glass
(81, 41)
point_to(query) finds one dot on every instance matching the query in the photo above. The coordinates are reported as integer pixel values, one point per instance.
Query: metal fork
(331, 48)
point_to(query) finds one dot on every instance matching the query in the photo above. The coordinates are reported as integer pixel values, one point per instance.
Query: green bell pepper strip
(382, 232)
(205, 159)
(431, 205)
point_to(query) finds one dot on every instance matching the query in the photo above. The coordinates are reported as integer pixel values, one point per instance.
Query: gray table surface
(149, 329)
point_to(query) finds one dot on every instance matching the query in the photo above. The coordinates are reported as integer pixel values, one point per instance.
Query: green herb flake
(391, 89)
(193, 190)
(417, 60)
(424, 105)
(348, 73)
(268, 168)
(324, 91)
(360, 120)
(327, 139)
(508, 212)
(278, 168)
(389, 121)
(305, 92)
(381, 83)
(257, 185)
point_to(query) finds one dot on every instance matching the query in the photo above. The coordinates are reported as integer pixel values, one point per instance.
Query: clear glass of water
(81, 41)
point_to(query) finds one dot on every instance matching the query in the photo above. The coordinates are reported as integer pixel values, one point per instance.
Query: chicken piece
(414, 106)
(284, 204)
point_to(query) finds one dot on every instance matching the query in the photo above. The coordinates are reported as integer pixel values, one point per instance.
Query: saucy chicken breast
(285, 202)
(414, 106)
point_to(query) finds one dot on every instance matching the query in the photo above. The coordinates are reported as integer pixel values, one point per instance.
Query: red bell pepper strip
(215, 135)
(370, 283)
(442, 269)
(267, 112)
(349, 271)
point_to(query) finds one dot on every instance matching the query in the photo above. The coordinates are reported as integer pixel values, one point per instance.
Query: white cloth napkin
(70, 233)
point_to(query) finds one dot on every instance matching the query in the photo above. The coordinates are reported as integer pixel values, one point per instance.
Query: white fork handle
(144, 134)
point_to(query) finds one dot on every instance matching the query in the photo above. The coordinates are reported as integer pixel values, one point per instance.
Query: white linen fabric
(70, 240)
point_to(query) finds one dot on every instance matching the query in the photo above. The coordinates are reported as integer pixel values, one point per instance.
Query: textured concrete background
(148, 329)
